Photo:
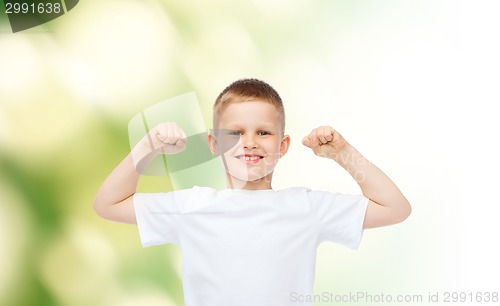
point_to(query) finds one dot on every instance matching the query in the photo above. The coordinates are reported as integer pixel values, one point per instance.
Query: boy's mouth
(249, 158)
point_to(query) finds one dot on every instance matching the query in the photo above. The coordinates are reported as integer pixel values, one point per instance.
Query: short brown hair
(245, 90)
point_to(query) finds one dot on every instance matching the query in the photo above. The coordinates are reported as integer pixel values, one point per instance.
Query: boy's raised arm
(114, 199)
(387, 204)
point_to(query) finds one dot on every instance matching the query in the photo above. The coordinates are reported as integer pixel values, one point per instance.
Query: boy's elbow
(100, 208)
(97, 208)
(119, 212)
(404, 212)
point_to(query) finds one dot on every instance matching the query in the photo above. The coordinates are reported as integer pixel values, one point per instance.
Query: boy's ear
(285, 144)
(212, 143)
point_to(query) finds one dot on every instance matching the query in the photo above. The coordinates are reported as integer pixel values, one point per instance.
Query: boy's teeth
(249, 157)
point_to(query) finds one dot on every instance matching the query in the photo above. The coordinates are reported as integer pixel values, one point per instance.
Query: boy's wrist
(348, 156)
(142, 154)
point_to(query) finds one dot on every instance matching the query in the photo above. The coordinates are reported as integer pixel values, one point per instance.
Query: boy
(249, 244)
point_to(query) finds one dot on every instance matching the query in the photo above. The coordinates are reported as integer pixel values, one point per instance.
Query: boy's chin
(255, 178)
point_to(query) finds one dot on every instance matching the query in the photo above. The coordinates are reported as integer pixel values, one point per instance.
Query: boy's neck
(261, 184)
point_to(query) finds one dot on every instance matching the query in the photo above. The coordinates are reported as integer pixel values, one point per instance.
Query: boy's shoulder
(198, 198)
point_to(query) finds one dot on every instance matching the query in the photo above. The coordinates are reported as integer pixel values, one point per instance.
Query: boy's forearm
(374, 183)
(122, 182)
(118, 186)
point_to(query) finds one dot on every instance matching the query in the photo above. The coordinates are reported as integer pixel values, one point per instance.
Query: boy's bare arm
(387, 204)
(114, 200)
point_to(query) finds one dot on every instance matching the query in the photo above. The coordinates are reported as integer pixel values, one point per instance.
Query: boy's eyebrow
(236, 126)
(268, 125)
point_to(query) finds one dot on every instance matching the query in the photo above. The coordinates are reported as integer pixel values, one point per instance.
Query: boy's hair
(245, 90)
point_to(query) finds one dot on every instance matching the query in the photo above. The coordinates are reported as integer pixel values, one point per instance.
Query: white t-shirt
(248, 247)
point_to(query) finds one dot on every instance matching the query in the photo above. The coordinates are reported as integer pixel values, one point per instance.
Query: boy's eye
(239, 133)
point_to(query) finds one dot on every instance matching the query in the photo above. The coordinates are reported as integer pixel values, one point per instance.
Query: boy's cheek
(229, 145)
(225, 141)
(271, 160)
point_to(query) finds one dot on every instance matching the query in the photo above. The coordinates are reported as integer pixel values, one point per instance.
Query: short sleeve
(340, 217)
(157, 216)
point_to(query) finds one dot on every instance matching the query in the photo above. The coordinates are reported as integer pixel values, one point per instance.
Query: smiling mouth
(250, 158)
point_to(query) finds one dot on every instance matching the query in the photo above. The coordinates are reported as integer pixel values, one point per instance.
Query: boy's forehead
(250, 114)
(250, 110)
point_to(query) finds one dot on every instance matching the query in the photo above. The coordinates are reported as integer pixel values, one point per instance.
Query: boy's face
(250, 140)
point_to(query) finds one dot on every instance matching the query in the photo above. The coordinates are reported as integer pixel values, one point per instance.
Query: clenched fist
(165, 138)
(325, 141)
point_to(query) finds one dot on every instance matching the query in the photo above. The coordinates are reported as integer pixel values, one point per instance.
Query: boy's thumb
(180, 144)
(306, 142)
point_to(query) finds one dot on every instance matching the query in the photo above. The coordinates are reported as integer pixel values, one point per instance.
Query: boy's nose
(249, 142)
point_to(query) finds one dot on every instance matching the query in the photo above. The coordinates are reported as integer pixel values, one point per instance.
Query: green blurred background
(410, 83)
